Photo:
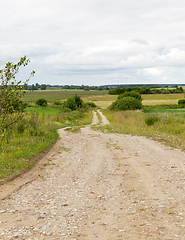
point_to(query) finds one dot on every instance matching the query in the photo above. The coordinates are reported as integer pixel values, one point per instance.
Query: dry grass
(148, 99)
(170, 129)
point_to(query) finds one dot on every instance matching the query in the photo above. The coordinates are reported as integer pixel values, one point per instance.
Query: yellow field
(148, 99)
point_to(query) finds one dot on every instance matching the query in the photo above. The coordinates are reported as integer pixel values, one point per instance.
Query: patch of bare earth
(100, 186)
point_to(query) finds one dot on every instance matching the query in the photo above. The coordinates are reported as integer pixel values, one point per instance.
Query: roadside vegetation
(162, 124)
(27, 130)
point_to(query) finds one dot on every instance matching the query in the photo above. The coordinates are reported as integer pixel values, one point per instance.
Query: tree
(11, 92)
(42, 102)
(43, 87)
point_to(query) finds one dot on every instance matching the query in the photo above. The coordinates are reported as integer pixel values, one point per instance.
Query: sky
(95, 42)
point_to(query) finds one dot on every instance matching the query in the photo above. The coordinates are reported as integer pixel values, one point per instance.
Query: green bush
(42, 102)
(126, 103)
(134, 94)
(57, 102)
(72, 103)
(151, 120)
(181, 102)
(91, 104)
(78, 101)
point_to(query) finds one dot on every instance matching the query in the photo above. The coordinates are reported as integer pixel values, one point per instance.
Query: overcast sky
(95, 42)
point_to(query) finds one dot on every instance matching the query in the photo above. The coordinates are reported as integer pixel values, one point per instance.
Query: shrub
(65, 109)
(42, 102)
(181, 102)
(91, 104)
(11, 92)
(72, 103)
(131, 94)
(57, 102)
(151, 120)
(78, 101)
(126, 103)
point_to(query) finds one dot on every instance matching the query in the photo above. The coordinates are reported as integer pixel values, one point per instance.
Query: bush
(91, 104)
(151, 120)
(126, 103)
(131, 94)
(78, 101)
(57, 102)
(72, 103)
(42, 102)
(181, 102)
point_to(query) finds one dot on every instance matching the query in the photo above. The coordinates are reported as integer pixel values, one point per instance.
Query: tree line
(146, 90)
(48, 86)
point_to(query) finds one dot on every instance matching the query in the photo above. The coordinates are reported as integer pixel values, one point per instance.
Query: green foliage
(57, 102)
(42, 102)
(43, 87)
(72, 103)
(151, 120)
(91, 104)
(181, 102)
(145, 90)
(11, 91)
(134, 94)
(126, 103)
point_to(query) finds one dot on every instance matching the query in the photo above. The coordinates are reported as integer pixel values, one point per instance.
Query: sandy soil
(93, 185)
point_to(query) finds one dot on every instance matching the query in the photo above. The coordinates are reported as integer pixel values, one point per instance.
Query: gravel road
(93, 185)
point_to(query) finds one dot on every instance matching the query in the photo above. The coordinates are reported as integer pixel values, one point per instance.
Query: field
(161, 99)
(53, 95)
(42, 122)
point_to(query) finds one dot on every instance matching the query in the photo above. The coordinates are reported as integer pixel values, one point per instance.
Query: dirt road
(93, 185)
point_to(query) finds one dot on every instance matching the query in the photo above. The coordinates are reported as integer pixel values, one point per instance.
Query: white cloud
(155, 72)
(95, 41)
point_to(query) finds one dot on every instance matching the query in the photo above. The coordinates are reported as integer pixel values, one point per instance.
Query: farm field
(161, 99)
(148, 99)
(53, 95)
(100, 98)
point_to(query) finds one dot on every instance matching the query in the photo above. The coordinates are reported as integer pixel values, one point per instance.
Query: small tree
(43, 87)
(11, 92)
(42, 102)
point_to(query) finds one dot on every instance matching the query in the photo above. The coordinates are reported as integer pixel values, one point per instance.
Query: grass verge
(33, 135)
(170, 129)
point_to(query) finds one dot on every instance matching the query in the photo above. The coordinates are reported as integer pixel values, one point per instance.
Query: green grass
(18, 151)
(174, 109)
(44, 110)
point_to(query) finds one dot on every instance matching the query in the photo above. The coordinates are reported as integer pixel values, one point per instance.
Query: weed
(170, 212)
(142, 209)
(42, 177)
(65, 149)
